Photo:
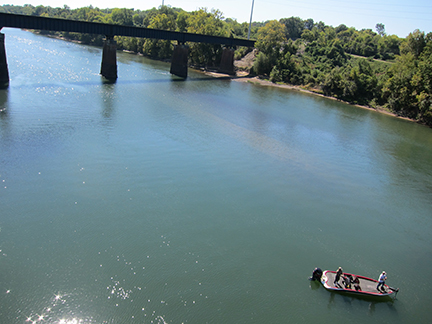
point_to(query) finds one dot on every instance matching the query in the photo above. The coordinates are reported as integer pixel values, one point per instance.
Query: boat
(353, 284)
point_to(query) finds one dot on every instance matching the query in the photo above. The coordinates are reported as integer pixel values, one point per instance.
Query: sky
(400, 17)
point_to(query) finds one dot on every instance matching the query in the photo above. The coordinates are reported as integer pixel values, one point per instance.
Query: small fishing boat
(352, 284)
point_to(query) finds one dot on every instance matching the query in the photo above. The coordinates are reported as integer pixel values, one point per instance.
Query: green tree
(294, 27)
(365, 82)
(148, 16)
(380, 28)
(270, 37)
(336, 53)
(422, 83)
(262, 64)
(181, 22)
(408, 87)
(398, 89)
(308, 35)
(332, 84)
(121, 17)
(235, 29)
(414, 43)
(157, 48)
(207, 23)
(309, 24)
(341, 28)
(388, 47)
(287, 68)
(138, 19)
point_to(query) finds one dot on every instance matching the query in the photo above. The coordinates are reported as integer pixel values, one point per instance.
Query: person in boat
(381, 280)
(356, 282)
(347, 281)
(339, 272)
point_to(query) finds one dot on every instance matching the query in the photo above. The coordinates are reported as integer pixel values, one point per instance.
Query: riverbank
(242, 77)
(245, 64)
(267, 83)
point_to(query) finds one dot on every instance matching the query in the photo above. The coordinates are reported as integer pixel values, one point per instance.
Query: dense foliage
(361, 67)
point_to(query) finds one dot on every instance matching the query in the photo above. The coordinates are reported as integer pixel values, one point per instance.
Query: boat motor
(316, 274)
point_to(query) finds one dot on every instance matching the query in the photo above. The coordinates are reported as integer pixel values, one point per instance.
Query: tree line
(358, 66)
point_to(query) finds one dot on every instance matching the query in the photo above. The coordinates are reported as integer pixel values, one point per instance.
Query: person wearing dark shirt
(339, 272)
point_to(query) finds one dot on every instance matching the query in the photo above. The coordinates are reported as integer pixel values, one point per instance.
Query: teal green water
(154, 200)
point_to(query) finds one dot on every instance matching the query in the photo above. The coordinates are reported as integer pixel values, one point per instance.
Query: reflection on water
(3, 111)
(107, 100)
(3, 100)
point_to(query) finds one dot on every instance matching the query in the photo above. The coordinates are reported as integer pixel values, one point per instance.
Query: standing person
(381, 280)
(338, 275)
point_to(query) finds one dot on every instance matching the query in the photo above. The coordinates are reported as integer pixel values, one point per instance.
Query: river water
(154, 200)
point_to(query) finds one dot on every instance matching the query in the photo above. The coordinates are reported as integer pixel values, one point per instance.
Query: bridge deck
(56, 24)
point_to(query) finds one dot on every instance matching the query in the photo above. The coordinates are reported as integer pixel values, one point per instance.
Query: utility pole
(250, 22)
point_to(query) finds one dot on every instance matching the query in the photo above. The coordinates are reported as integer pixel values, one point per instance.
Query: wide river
(154, 200)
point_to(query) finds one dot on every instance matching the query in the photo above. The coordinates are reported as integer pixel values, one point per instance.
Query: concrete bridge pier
(109, 59)
(179, 60)
(4, 73)
(227, 61)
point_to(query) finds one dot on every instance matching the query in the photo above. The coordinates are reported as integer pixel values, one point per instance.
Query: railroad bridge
(109, 59)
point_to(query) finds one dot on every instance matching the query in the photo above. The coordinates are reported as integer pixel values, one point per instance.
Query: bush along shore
(366, 68)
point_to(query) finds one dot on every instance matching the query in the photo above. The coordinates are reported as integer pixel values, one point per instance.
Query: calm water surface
(154, 200)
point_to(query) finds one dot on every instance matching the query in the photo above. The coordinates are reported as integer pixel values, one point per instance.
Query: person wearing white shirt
(381, 280)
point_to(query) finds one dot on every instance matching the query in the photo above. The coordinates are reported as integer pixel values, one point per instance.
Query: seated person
(356, 283)
(347, 281)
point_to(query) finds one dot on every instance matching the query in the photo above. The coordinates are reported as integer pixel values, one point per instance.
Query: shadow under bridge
(109, 58)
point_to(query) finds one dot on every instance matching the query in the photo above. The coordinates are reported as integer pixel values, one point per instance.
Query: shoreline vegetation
(244, 77)
(368, 69)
